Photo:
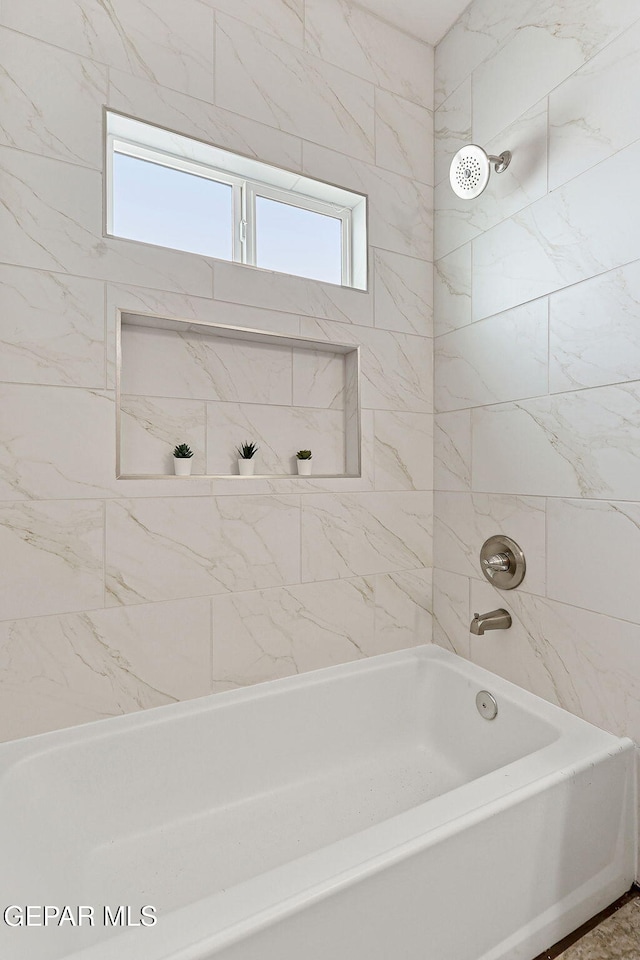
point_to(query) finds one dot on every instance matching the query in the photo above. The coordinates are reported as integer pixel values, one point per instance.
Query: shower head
(470, 170)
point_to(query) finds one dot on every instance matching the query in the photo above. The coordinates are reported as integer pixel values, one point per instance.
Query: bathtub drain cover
(487, 706)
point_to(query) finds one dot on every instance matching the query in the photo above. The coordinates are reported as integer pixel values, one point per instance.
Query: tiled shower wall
(117, 595)
(537, 369)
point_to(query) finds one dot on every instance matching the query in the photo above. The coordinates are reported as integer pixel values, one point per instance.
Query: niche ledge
(214, 386)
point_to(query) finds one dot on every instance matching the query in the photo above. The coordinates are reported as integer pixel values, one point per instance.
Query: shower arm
(500, 162)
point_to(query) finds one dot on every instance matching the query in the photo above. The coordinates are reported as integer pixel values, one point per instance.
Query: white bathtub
(364, 812)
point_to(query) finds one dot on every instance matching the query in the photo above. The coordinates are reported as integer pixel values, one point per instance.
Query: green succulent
(247, 450)
(183, 451)
(303, 454)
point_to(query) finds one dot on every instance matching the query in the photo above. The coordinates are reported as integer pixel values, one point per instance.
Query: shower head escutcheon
(471, 168)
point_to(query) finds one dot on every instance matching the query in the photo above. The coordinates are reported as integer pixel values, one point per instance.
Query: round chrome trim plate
(487, 705)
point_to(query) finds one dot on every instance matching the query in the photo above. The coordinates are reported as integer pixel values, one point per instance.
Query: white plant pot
(304, 468)
(182, 466)
(246, 467)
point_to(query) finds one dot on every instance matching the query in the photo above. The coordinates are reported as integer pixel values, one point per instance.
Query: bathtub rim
(106, 727)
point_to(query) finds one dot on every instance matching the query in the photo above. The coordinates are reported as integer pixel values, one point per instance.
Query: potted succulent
(246, 453)
(303, 458)
(182, 454)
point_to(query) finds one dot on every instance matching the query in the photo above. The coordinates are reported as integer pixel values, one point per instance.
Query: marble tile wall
(537, 348)
(120, 595)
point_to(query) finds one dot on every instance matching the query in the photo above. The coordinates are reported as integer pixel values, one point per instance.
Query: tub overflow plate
(487, 706)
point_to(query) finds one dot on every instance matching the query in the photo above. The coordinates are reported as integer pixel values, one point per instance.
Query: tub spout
(496, 620)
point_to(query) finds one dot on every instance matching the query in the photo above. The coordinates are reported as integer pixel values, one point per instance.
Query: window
(296, 239)
(159, 204)
(173, 191)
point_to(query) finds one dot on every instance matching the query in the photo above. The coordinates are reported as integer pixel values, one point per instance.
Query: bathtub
(362, 812)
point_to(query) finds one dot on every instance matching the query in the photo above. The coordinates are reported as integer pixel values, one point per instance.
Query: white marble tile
(553, 41)
(267, 634)
(319, 379)
(203, 121)
(165, 304)
(253, 317)
(403, 451)
(161, 549)
(594, 335)
(593, 113)
(587, 663)
(64, 670)
(364, 533)
(501, 358)
(452, 128)
(52, 557)
(593, 550)
(523, 182)
(281, 18)
(164, 486)
(410, 358)
(400, 210)
(51, 328)
(167, 363)
(453, 221)
(158, 303)
(236, 283)
(257, 541)
(403, 610)
(452, 290)
(51, 219)
(403, 293)
(56, 443)
(279, 432)
(464, 521)
(160, 41)
(582, 444)
(161, 303)
(344, 34)
(404, 137)
(599, 673)
(150, 428)
(452, 451)
(472, 39)
(52, 100)
(575, 232)
(451, 616)
(200, 546)
(265, 79)
(60, 443)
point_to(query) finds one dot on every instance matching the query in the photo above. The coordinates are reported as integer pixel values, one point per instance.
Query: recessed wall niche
(215, 386)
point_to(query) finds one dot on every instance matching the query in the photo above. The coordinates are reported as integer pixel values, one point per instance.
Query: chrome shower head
(471, 168)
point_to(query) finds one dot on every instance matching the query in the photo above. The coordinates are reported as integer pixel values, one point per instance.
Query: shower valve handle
(497, 563)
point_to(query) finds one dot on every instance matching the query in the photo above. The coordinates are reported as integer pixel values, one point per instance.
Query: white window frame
(245, 190)
(255, 189)
(163, 159)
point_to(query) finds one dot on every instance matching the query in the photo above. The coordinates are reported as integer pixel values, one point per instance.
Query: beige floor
(616, 938)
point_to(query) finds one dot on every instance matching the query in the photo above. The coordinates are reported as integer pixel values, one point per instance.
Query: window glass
(293, 240)
(171, 208)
